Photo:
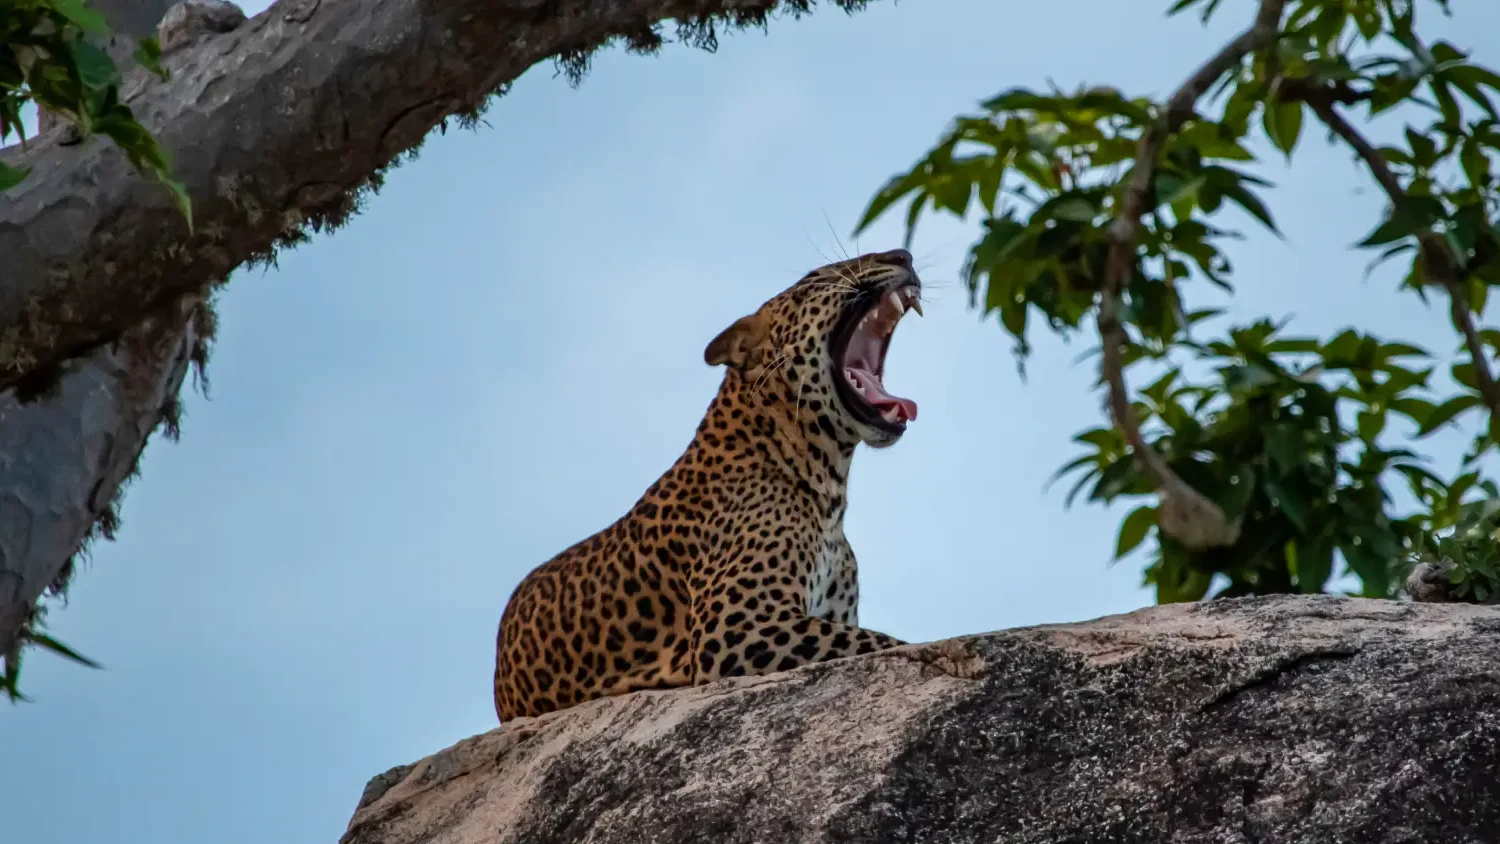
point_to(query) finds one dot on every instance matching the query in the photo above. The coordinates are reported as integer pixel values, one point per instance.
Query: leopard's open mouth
(860, 342)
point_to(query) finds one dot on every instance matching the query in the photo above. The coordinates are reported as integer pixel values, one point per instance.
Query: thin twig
(1186, 514)
(1440, 263)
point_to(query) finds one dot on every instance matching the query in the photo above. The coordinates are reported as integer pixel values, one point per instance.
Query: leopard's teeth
(914, 300)
(894, 298)
(891, 414)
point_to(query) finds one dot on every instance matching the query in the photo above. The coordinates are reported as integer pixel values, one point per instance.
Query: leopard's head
(820, 345)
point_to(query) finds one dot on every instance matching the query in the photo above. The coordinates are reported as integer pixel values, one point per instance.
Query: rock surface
(1256, 721)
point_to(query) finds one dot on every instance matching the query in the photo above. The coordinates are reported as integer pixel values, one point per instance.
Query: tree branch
(1185, 514)
(1440, 263)
(276, 129)
(63, 459)
(65, 455)
(70, 453)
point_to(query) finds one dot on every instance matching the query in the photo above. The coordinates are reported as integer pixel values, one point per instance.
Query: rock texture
(1282, 720)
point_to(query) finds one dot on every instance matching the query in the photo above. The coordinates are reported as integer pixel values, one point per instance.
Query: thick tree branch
(1185, 514)
(64, 458)
(276, 128)
(1440, 263)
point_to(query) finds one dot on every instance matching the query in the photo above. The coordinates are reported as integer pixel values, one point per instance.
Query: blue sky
(505, 349)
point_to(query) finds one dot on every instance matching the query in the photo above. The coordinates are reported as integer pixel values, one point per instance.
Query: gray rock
(1257, 721)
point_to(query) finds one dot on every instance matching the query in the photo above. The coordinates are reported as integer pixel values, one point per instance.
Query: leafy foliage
(1471, 550)
(1306, 443)
(53, 58)
(1285, 436)
(32, 635)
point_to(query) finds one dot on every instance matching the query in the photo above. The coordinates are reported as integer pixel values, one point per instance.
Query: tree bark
(277, 128)
(64, 459)
(102, 275)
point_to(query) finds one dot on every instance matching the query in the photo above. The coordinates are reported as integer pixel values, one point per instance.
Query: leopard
(734, 562)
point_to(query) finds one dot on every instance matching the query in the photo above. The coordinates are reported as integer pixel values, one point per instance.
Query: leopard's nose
(896, 257)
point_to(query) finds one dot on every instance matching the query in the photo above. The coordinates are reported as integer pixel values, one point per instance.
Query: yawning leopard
(734, 561)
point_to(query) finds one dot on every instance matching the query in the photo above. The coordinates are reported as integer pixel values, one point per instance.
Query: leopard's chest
(830, 580)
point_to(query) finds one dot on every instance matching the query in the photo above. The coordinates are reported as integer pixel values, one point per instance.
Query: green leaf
(1445, 412)
(1472, 80)
(1371, 567)
(1468, 80)
(181, 199)
(1314, 565)
(1387, 232)
(1195, 317)
(1284, 446)
(1172, 189)
(11, 176)
(1075, 463)
(1410, 216)
(148, 55)
(1112, 102)
(1461, 485)
(1240, 489)
(1283, 124)
(1289, 503)
(1447, 104)
(1475, 165)
(913, 211)
(1389, 253)
(1370, 425)
(1424, 150)
(989, 179)
(1158, 389)
(893, 190)
(1134, 528)
(80, 15)
(1241, 196)
(1078, 487)
(1116, 480)
(44, 641)
(1013, 317)
(1415, 409)
(1247, 378)
(1015, 99)
(96, 69)
(1464, 374)
(10, 681)
(1402, 350)
(1104, 439)
(1213, 140)
(1074, 206)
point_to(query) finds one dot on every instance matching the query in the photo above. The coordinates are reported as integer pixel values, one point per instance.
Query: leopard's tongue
(893, 408)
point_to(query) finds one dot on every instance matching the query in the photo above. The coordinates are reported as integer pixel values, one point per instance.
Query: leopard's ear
(741, 344)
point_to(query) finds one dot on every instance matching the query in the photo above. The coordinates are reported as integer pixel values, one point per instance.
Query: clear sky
(505, 349)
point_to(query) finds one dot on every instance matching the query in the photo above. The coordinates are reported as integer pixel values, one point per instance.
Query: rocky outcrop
(1281, 720)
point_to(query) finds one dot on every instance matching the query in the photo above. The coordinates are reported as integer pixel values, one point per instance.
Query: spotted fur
(733, 562)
